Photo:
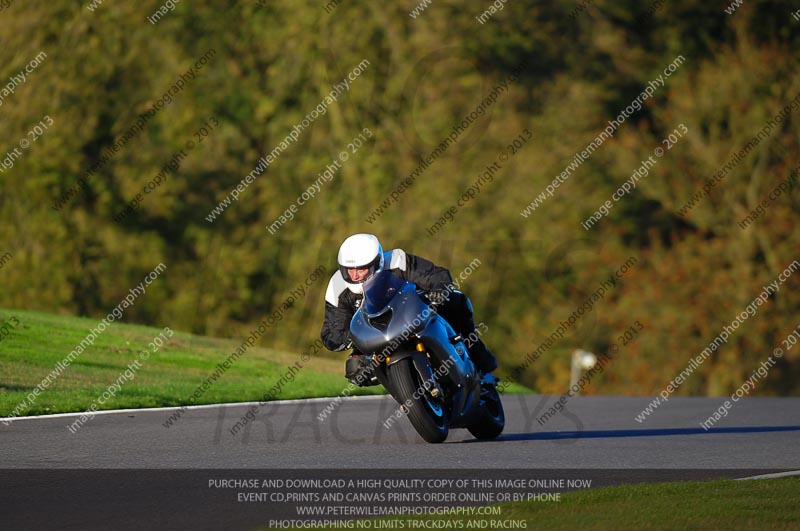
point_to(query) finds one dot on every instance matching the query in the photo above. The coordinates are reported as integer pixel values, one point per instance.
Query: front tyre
(492, 418)
(425, 412)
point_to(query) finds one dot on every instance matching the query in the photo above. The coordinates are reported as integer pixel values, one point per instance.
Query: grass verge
(701, 505)
(40, 341)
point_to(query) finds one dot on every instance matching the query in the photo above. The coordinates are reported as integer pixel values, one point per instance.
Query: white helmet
(360, 251)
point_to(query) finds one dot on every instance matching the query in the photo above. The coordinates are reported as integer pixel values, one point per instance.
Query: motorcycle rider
(360, 258)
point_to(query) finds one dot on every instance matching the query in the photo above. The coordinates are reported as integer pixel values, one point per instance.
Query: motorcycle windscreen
(395, 322)
(379, 291)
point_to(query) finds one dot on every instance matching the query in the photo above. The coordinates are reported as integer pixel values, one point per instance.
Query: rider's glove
(438, 296)
(359, 370)
(345, 346)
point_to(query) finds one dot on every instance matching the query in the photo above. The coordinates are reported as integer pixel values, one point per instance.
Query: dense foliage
(274, 62)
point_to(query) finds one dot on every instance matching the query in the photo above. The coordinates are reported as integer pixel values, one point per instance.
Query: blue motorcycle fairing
(439, 336)
(392, 313)
(395, 304)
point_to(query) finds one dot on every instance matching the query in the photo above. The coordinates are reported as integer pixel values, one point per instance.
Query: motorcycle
(423, 362)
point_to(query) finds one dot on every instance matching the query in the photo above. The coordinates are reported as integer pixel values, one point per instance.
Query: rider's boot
(482, 357)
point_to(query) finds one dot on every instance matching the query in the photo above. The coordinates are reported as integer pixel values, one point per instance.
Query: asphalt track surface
(123, 458)
(592, 433)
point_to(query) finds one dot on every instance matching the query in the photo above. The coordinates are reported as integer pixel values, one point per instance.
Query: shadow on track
(598, 434)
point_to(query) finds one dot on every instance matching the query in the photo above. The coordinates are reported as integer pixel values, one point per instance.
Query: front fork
(421, 364)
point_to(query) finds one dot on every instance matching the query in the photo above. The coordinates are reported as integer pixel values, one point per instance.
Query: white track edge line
(773, 476)
(3, 420)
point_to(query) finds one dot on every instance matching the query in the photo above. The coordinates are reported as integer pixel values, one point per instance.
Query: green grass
(167, 378)
(712, 505)
(707, 506)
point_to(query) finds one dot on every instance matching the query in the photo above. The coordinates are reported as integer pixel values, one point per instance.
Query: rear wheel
(492, 419)
(425, 412)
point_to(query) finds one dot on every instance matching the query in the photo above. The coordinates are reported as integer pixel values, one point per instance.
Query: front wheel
(492, 418)
(425, 412)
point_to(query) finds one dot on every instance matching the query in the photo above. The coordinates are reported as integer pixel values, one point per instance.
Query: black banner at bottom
(250, 499)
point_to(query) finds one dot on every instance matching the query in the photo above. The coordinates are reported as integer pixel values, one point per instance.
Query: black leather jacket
(343, 299)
